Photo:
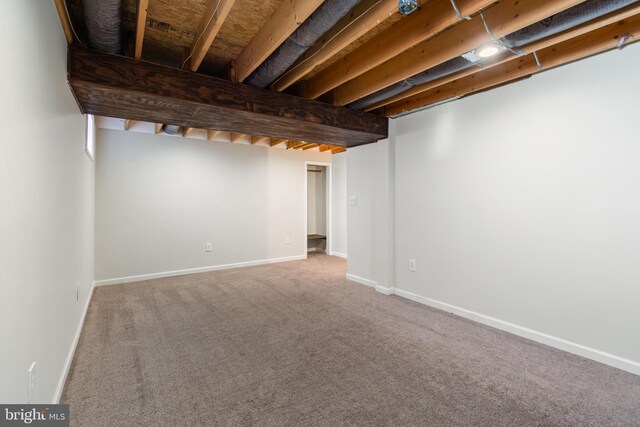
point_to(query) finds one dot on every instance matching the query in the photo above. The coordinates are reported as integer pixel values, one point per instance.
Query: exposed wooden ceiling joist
(258, 139)
(434, 17)
(598, 41)
(212, 134)
(235, 137)
(310, 146)
(217, 11)
(373, 13)
(276, 141)
(158, 128)
(284, 21)
(64, 20)
(588, 27)
(127, 124)
(117, 86)
(186, 131)
(141, 24)
(502, 19)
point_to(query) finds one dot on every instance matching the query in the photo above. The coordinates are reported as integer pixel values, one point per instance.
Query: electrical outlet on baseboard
(412, 265)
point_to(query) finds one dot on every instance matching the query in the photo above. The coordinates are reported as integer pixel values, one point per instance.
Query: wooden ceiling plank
(214, 17)
(432, 18)
(276, 141)
(373, 13)
(502, 19)
(588, 27)
(258, 139)
(597, 41)
(235, 137)
(158, 128)
(211, 133)
(141, 24)
(64, 20)
(284, 21)
(118, 86)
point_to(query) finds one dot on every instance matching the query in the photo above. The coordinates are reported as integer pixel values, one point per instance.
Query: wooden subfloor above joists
(116, 86)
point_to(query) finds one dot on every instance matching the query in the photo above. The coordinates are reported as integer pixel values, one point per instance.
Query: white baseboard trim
(559, 343)
(339, 254)
(383, 290)
(362, 280)
(138, 278)
(72, 351)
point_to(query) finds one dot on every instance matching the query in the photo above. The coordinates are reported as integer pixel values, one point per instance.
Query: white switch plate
(412, 265)
(32, 382)
(208, 247)
(353, 201)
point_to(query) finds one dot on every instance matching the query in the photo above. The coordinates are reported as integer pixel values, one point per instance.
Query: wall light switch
(353, 201)
(412, 265)
(208, 247)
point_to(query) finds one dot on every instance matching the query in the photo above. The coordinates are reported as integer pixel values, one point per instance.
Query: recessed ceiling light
(488, 51)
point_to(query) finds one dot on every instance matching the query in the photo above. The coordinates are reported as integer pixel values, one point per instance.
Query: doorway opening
(318, 215)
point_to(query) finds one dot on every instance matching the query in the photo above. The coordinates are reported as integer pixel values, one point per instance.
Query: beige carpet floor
(295, 344)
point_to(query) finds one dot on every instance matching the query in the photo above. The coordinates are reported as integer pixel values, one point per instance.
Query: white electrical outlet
(353, 201)
(208, 247)
(287, 240)
(412, 265)
(31, 386)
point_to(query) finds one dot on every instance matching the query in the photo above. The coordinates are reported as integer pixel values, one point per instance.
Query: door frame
(329, 205)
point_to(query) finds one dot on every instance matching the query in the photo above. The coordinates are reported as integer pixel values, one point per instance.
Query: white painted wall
(160, 199)
(361, 211)
(339, 203)
(521, 206)
(46, 219)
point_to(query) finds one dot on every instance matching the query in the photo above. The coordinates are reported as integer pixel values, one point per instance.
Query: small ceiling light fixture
(488, 50)
(406, 7)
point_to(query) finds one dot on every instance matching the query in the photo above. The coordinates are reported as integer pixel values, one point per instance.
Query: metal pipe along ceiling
(572, 17)
(320, 21)
(103, 18)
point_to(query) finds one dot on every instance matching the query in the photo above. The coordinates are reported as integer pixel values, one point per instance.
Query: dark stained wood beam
(116, 86)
